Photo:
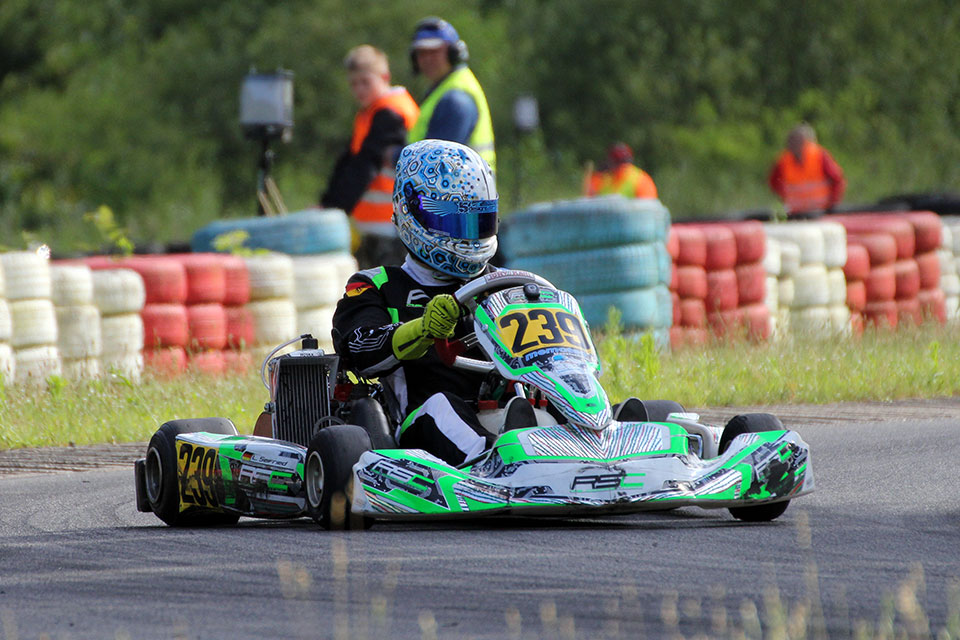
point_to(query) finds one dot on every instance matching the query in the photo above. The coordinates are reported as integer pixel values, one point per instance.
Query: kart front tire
(160, 470)
(328, 475)
(753, 423)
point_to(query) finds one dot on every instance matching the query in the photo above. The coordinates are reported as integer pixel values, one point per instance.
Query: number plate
(198, 468)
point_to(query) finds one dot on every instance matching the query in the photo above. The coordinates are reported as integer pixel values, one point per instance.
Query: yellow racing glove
(412, 339)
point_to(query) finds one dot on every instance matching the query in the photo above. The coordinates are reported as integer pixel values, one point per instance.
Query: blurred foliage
(133, 104)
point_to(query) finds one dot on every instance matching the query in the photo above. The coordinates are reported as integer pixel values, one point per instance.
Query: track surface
(78, 561)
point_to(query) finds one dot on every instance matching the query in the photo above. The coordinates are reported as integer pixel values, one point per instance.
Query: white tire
(789, 258)
(271, 276)
(121, 335)
(8, 364)
(6, 323)
(274, 321)
(79, 332)
(953, 307)
(811, 320)
(128, 367)
(82, 369)
(946, 237)
(259, 352)
(118, 291)
(35, 364)
(3, 286)
(950, 283)
(26, 275)
(836, 287)
(785, 292)
(947, 264)
(810, 288)
(317, 321)
(839, 319)
(772, 297)
(771, 257)
(808, 236)
(316, 281)
(34, 323)
(71, 285)
(346, 267)
(834, 244)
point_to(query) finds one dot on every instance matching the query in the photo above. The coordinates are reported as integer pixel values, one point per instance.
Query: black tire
(369, 414)
(328, 475)
(658, 410)
(161, 477)
(753, 423)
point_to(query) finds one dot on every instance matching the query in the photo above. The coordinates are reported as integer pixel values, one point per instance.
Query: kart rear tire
(328, 476)
(753, 423)
(163, 487)
(369, 414)
(658, 410)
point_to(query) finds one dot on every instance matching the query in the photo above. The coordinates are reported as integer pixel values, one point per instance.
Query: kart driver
(385, 325)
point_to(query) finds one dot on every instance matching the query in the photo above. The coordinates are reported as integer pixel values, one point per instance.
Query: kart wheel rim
(314, 479)
(153, 475)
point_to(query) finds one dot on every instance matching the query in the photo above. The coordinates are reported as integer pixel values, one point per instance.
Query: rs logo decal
(597, 481)
(199, 476)
(528, 329)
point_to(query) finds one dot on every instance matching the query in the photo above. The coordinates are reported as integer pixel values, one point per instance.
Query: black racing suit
(439, 401)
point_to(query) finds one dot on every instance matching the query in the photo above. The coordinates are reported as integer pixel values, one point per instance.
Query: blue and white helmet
(445, 207)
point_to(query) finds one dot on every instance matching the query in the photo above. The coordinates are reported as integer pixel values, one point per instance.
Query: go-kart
(333, 457)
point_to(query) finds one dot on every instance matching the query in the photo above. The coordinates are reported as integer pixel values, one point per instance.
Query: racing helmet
(445, 207)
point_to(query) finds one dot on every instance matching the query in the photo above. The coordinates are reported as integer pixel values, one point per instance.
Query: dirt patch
(122, 455)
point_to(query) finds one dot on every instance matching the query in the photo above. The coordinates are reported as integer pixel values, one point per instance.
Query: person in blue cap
(455, 107)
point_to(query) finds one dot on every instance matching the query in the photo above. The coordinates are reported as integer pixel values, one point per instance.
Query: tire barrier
(79, 337)
(307, 232)
(949, 277)
(32, 319)
(608, 252)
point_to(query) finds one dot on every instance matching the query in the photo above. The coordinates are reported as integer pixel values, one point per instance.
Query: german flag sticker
(356, 288)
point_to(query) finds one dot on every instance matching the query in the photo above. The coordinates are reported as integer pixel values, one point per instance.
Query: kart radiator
(301, 386)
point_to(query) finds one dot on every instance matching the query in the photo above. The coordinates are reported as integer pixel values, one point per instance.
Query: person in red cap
(620, 175)
(805, 176)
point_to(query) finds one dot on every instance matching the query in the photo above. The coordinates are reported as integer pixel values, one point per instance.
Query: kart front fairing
(574, 470)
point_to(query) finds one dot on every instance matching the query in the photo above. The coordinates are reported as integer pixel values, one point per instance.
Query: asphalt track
(876, 547)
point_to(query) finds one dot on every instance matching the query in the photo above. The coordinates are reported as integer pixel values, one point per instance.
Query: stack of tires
(240, 334)
(120, 295)
(33, 320)
(305, 232)
(271, 306)
(856, 271)
(772, 268)
(6, 331)
(817, 291)
(608, 252)
(78, 321)
(688, 285)
(752, 317)
(206, 317)
(928, 239)
(318, 283)
(949, 272)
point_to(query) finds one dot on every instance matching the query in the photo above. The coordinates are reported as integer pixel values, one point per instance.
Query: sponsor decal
(199, 471)
(356, 288)
(526, 330)
(417, 298)
(597, 481)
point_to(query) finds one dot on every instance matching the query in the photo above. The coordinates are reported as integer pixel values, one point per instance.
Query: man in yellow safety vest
(455, 108)
(621, 176)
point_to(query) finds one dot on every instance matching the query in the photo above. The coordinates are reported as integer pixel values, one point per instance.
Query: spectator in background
(362, 180)
(805, 176)
(619, 175)
(455, 108)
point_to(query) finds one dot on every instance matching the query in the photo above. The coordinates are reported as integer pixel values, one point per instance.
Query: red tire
(881, 284)
(881, 247)
(721, 248)
(206, 279)
(164, 325)
(238, 362)
(898, 227)
(928, 266)
(676, 308)
(208, 362)
(750, 238)
(881, 314)
(907, 276)
(856, 295)
(722, 290)
(756, 317)
(208, 326)
(692, 249)
(856, 323)
(858, 262)
(240, 328)
(908, 312)
(729, 323)
(933, 305)
(751, 283)
(167, 361)
(673, 244)
(236, 281)
(686, 337)
(693, 313)
(674, 283)
(691, 282)
(927, 229)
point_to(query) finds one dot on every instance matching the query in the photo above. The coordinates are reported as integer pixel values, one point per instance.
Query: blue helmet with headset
(434, 32)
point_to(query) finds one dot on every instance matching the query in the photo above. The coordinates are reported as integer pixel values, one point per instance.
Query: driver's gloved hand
(412, 339)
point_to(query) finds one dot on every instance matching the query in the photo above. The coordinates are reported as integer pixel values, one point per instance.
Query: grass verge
(918, 363)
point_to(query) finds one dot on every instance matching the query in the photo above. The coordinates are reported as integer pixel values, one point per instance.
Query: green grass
(916, 363)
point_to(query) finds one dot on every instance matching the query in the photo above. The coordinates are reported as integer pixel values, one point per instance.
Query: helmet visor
(461, 219)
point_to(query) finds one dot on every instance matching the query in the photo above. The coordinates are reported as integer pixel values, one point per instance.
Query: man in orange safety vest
(621, 176)
(805, 176)
(362, 180)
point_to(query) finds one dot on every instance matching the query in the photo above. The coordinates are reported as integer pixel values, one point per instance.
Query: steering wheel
(467, 296)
